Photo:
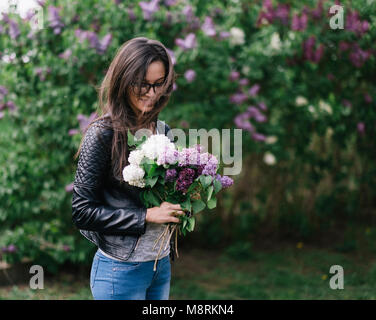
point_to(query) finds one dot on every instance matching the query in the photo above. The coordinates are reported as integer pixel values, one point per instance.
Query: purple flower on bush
(208, 27)
(14, 30)
(84, 121)
(69, 187)
(185, 179)
(309, 51)
(234, 75)
(66, 54)
(3, 91)
(149, 8)
(188, 43)
(54, 19)
(256, 114)
(241, 121)
(299, 23)
(11, 248)
(361, 127)
(253, 91)
(190, 75)
(238, 98)
(358, 56)
(258, 136)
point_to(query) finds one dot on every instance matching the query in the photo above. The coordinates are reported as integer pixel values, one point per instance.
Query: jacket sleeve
(88, 210)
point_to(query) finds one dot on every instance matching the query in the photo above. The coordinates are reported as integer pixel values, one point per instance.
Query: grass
(289, 272)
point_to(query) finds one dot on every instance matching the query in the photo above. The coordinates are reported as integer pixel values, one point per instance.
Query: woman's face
(154, 75)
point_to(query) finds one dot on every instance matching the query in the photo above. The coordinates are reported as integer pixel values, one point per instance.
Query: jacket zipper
(137, 243)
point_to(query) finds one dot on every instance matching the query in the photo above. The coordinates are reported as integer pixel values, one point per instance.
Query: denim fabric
(118, 280)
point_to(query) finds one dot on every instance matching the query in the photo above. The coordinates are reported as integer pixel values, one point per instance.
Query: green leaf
(212, 203)
(217, 186)
(151, 181)
(210, 192)
(186, 205)
(131, 139)
(191, 224)
(198, 205)
(152, 198)
(206, 181)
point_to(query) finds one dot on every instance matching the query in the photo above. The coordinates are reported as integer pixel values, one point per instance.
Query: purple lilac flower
(3, 91)
(2, 114)
(256, 114)
(211, 164)
(309, 51)
(225, 181)
(69, 187)
(299, 23)
(318, 11)
(241, 121)
(367, 98)
(244, 82)
(189, 156)
(54, 19)
(358, 56)
(234, 75)
(170, 3)
(172, 56)
(41, 2)
(253, 91)
(224, 35)
(185, 179)
(361, 127)
(190, 75)
(238, 98)
(168, 156)
(11, 106)
(258, 136)
(14, 30)
(170, 175)
(282, 13)
(262, 106)
(354, 24)
(84, 121)
(188, 43)
(11, 248)
(208, 27)
(131, 15)
(66, 54)
(149, 8)
(188, 13)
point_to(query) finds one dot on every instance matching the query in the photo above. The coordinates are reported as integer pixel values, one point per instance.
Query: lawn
(289, 272)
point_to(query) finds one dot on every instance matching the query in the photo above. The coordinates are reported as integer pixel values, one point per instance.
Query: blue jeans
(117, 280)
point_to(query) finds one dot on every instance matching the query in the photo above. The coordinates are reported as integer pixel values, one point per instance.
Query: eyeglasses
(145, 87)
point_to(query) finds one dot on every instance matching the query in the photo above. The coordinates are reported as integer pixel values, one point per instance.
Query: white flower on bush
(133, 174)
(325, 107)
(271, 139)
(155, 144)
(237, 36)
(269, 158)
(300, 101)
(136, 156)
(275, 41)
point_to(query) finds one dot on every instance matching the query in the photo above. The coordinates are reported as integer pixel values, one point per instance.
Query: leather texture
(109, 214)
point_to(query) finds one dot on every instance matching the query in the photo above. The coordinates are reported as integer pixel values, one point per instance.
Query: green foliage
(320, 115)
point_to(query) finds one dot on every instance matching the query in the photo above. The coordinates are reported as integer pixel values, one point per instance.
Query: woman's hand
(166, 213)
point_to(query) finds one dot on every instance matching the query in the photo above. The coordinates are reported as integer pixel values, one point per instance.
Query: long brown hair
(130, 65)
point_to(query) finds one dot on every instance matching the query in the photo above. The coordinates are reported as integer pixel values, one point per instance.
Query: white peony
(133, 174)
(136, 156)
(155, 144)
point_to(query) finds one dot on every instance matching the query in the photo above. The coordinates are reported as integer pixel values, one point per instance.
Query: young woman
(108, 211)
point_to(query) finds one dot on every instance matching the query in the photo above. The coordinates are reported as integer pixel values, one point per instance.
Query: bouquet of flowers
(185, 176)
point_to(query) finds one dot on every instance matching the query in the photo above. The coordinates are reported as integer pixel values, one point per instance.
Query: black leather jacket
(108, 214)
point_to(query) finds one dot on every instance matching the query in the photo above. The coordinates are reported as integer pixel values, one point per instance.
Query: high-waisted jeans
(118, 280)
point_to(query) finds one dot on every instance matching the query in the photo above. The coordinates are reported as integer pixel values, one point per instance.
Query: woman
(108, 211)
